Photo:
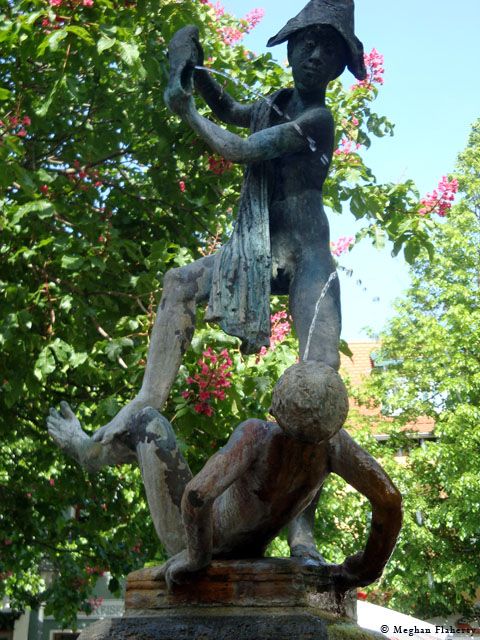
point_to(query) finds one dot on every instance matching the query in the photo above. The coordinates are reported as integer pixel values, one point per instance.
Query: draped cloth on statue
(240, 294)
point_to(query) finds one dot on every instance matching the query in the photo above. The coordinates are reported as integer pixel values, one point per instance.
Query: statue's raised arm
(185, 56)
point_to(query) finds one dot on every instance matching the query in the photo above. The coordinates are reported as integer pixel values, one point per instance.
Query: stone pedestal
(267, 599)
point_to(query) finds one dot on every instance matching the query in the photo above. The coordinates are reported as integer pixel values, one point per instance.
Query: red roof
(356, 369)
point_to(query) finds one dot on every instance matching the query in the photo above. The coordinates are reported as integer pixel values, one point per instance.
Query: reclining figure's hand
(178, 568)
(353, 573)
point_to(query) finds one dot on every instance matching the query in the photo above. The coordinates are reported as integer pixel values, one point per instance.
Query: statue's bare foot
(308, 552)
(65, 429)
(120, 423)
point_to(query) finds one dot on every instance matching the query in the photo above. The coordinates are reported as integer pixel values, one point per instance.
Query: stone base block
(266, 599)
(259, 583)
(271, 626)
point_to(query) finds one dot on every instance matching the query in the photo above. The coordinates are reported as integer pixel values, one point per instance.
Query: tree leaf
(105, 43)
(45, 364)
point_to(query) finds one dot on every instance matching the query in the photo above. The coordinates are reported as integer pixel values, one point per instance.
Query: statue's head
(336, 15)
(317, 55)
(310, 402)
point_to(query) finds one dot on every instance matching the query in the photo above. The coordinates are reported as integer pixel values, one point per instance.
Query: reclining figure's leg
(165, 475)
(150, 440)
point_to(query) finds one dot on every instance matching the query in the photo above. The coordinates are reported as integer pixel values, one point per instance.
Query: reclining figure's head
(310, 402)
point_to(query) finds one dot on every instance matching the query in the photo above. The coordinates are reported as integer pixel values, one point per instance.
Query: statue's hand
(353, 572)
(177, 99)
(178, 568)
(184, 54)
(184, 49)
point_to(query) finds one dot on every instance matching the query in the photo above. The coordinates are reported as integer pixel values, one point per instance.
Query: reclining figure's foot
(65, 429)
(308, 552)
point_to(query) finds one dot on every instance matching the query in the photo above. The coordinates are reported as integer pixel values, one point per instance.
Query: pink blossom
(253, 17)
(219, 165)
(375, 70)
(181, 186)
(346, 147)
(55, 3)
(217, 7)
(52, 482)
(342, 245)
(279, 329)
(21, 133)
(441, 198)
(13, 121)
(355, 121)
(211, 355)
(203, 407)
(209, 382)
(26, 121)
(87, 3)
(230, 35)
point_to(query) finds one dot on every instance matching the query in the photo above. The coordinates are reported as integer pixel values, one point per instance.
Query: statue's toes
(308, 552)
(66, 411)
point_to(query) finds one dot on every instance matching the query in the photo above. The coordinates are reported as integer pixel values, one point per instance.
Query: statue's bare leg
(172, 333)
(318, 329)
(150, 440)
(165, 475)
(301, 533)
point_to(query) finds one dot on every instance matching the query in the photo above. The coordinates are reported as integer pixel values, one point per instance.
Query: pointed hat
(335, 13)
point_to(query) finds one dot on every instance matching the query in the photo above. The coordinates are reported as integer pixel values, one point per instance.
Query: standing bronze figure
(280, 244)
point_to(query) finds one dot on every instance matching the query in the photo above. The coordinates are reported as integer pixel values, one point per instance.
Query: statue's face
(317, 55)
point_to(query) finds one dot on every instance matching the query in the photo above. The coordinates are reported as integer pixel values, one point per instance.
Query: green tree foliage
(101, 191)
(433, 345)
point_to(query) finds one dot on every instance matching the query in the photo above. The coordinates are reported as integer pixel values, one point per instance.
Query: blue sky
(431, 93)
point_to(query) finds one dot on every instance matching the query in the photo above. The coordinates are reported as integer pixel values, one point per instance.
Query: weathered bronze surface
(268, 474)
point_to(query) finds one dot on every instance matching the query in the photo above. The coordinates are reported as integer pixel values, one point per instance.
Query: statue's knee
(177, 284)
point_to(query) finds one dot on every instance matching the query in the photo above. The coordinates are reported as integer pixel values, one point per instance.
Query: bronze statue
(265, 476)
(280, 245)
